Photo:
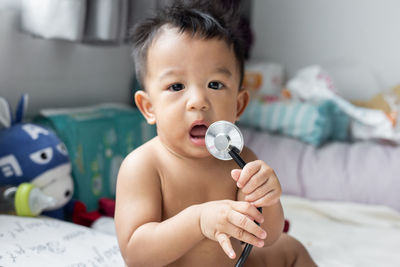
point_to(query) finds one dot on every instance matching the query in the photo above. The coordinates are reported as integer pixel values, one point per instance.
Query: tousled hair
(202, 19)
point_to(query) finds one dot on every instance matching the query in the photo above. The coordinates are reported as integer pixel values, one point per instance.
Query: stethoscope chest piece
(221, 137)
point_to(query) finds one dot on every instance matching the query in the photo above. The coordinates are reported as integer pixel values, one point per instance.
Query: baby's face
(191, 83)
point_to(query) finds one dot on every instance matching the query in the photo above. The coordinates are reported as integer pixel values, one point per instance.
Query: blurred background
(356, 41)
(324, 78)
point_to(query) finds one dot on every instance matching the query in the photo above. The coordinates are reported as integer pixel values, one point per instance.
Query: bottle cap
(30, 201)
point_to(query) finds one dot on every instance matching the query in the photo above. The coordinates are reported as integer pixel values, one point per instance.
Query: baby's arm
(259, 185)
(144, 240)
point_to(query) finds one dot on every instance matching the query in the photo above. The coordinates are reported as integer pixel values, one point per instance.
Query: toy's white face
(57, 183)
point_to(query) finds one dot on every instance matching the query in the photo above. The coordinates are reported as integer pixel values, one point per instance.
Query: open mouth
(197, 133)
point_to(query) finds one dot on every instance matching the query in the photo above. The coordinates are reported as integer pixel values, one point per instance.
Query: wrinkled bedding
(343, 234)
(362, 172)
(48, 242)
(337, 234)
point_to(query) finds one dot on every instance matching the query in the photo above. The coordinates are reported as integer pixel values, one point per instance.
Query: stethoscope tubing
(234, 146)
(247, 249)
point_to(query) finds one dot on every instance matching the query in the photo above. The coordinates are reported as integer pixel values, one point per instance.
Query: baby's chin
(196, 152)
(198, 141)
(187, 148)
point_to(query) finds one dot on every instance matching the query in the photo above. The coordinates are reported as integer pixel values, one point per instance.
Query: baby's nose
(198, 100)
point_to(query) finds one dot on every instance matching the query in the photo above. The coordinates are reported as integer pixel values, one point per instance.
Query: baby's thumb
(235, 173)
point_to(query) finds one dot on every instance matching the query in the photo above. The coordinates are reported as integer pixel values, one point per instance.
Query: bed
(337, 234)
(341, 200)
(345, 234)
(363, 172)
(49, 242)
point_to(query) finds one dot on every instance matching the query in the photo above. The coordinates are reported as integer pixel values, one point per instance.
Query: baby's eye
(215, 85)
(176, 87)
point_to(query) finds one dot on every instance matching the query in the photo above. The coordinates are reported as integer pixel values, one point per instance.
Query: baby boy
(176, 204)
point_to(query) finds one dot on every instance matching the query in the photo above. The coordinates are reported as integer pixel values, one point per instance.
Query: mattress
(337, 234)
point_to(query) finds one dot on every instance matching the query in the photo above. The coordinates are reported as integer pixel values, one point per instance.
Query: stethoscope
(225, 142)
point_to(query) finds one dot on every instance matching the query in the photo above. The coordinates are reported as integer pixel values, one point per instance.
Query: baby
(176, 204)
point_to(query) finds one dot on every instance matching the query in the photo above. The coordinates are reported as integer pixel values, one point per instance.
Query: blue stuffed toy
(30, 153)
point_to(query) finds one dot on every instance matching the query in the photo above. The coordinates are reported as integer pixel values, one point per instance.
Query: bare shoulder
(138, 195)
(248, 154)
(142, 159)
(139, 168)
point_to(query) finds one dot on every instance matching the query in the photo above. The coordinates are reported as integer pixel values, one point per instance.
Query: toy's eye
(62, 149)
(42, 156)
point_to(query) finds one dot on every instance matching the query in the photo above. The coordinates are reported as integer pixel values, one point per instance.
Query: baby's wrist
(197, 211)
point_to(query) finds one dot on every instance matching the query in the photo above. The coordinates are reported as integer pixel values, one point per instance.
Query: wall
(356, 41)
(59, 73)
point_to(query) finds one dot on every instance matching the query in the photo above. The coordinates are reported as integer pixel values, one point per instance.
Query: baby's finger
(258, 193)
(226, 245)
(248, 171)
(269, 199)
(235, 173)
(248, 209)
(255, 182)
(248, 225)
(242, 235)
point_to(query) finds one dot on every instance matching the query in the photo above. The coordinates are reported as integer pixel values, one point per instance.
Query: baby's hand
(220, 220)
(258, 183)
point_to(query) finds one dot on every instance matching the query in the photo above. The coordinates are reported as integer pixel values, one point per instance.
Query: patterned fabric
(311, 123)
(97, 138)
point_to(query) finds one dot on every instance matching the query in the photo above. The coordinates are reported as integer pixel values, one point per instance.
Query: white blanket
(47, 242)
(345, 234)
(336, 235)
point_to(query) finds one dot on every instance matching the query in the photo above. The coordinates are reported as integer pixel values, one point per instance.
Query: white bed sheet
(345, 234)
(49, 242)
(337, 234)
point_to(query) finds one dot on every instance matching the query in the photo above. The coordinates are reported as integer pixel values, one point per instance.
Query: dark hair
(204, 19)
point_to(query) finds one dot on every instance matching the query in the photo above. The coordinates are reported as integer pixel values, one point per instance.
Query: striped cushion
(311, 123)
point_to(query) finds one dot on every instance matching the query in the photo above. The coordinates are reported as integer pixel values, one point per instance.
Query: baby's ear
(145, 106)
(243, 99)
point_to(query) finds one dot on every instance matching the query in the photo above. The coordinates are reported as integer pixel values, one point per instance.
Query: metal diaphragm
(221, 137)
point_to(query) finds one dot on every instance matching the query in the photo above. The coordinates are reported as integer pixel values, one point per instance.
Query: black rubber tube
(233, 152)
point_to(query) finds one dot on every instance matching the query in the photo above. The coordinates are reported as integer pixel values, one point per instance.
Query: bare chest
(182, 187)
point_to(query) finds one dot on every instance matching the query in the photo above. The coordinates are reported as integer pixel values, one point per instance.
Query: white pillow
(264, 79)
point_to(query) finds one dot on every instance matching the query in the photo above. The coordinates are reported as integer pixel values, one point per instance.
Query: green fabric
(97, 139)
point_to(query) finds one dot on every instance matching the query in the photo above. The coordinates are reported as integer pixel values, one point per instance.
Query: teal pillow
(97, 139)
(312, 123)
